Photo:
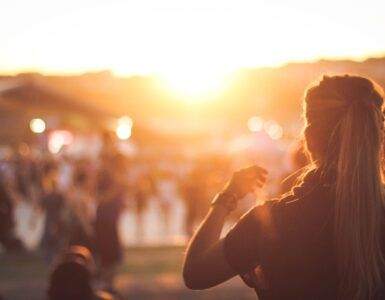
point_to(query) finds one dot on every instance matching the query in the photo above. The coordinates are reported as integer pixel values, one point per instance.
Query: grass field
(147, 273)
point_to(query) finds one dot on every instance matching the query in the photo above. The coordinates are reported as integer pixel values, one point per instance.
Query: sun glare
(148, 37)
(194, 85)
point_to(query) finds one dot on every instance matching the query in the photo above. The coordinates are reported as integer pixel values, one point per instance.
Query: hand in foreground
(246, 181)
(242, 182)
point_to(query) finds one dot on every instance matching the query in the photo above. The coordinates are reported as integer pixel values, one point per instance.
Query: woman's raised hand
(246, 181)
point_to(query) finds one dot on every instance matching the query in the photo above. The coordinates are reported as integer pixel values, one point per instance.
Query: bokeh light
(274, 130)
(58, 139)
(255, 124)
(124, 128)
(37, 125)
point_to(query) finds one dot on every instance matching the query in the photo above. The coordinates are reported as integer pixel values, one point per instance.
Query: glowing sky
(174, 36)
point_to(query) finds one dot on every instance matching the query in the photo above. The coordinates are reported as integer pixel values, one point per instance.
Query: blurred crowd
(82, 199)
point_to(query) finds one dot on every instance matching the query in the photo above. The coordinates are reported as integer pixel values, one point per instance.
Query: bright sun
(195, 85)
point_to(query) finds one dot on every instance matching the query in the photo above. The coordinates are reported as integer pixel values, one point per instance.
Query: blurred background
(134, 114)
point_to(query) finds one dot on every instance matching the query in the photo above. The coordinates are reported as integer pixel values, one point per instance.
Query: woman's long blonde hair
(344, 136)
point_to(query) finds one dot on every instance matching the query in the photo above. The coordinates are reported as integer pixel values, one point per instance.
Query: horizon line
(69, 73)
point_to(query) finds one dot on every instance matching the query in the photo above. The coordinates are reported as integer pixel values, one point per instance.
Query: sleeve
(241, 244)
(253, 240)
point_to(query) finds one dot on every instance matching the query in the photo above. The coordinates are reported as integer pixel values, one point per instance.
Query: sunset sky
(176, 37)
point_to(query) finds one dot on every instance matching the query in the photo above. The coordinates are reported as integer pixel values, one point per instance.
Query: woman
(298, 161)
(325, 239)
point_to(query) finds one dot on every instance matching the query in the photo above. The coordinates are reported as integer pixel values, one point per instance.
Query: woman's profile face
(310, 147)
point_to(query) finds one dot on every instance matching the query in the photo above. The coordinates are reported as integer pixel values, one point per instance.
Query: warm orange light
(146, 37)
(274, 130)
(255, 124)
(194, 84)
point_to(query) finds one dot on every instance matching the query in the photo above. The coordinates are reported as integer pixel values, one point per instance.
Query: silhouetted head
(339, 105)
(344, 136)
(71, 276)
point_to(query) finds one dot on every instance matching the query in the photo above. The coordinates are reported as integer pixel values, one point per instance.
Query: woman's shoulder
(264, 213)
(272, 205)
(278, 215)
(276, 209)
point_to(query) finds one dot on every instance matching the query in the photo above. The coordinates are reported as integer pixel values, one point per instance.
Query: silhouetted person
(325, 239)
(53, 202)
(142, 191)
(81, 229)
(72, 275)
(8, 237)
(111, 195)
(166, 193)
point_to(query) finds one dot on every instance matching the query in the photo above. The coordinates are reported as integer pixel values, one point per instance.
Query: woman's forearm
(208, 232)
(206, 262)
(205, 265)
